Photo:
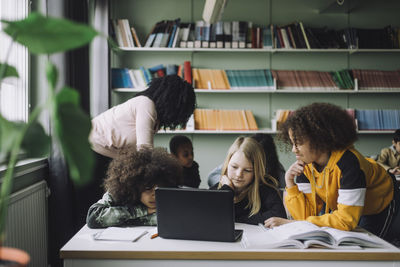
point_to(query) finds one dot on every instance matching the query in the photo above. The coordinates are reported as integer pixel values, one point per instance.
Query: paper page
(131, 234)
(354, 238)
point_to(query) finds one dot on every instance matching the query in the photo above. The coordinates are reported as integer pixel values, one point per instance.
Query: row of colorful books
(259, 79)
(370, 119)
(219, 119)
(245, 34)
(140, 78)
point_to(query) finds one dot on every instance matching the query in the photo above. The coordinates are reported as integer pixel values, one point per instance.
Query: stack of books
(379, 119)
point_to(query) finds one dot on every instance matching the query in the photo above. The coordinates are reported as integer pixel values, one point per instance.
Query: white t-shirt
(131, 123)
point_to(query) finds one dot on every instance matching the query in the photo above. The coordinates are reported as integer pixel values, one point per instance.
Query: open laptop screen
(196, 214)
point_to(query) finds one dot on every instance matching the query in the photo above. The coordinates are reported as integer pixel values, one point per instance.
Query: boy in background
(389, 157)
(181, 147)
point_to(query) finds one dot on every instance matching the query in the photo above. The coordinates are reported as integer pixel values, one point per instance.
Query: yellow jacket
(350, 185)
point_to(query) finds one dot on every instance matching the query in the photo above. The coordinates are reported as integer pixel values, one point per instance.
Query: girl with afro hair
(329, 172)
(130, 188)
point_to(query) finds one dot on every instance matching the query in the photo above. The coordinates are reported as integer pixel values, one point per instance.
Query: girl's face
(240, 171)
(148, 198)
(303, 150)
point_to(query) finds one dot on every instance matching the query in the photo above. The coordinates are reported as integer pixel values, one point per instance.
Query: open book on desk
(131, 234)
(303, 234)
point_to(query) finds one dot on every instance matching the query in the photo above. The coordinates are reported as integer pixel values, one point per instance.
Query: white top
(131, 123)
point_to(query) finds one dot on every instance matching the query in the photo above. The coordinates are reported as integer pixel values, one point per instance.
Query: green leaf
(8, 135)
(9, 71)
(46, 35)
(36, 142)
(72, 127)
(68, 95)
(52, 74)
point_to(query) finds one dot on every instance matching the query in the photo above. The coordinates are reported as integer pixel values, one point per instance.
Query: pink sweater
(133, 122)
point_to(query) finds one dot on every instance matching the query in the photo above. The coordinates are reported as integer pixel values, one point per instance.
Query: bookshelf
(210, 147)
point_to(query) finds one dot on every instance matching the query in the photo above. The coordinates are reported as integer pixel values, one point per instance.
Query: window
(14, 93)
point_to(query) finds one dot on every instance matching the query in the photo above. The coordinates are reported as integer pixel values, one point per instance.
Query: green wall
(210, 149)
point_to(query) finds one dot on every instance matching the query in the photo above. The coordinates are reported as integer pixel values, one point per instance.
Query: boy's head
(396, 140)
(181, 147)
(133, 173)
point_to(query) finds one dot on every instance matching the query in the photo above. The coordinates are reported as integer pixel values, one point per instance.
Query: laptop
(196, 214)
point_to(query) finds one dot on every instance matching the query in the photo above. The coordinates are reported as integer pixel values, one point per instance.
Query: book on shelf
(219, 34)
(223, 120)
(235, 34)
(303, 234)
(135, 37)
(117, 31)
(192, 37)
(242, 33)
(213, 36)
(198, 33)
(227, 26)
(187, 71)
(267, 37)
(120, 78)
(153, 33)
(174, 33)
(304, 35)
(249, 34)
(205, 35)
(184, 29)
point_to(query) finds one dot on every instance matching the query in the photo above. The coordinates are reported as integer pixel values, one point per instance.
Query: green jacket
(106, 213)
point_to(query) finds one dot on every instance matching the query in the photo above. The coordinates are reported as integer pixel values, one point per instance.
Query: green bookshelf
(210, 147)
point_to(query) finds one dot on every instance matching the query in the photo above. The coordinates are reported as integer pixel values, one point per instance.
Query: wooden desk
(82, 250)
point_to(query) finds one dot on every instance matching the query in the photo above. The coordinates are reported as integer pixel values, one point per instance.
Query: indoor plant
(70, 125)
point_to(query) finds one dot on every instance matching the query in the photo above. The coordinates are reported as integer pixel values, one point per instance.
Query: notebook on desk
(196, 214)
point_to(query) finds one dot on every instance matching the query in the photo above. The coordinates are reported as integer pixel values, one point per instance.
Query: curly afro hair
(174, 99)
(327, 127)
(134, 171)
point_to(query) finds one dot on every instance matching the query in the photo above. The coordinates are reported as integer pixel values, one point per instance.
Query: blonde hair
(254, 152)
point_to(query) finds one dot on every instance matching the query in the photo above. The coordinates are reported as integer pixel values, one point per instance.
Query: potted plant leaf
(71, 125)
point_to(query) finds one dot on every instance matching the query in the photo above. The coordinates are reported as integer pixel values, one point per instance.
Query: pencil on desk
(154, 235)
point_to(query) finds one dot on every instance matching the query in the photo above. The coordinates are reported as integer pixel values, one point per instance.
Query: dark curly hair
(177, 141)
(134, 171)
(273, 166)
(174, 99)
(396, 136)
(328, 127)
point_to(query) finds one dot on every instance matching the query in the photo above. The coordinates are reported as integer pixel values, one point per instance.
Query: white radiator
(26, 227)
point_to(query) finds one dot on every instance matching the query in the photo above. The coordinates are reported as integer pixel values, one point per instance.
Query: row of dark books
(245, 34)
(259, 79)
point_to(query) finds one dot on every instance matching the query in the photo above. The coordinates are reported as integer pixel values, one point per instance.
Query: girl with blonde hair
(256, 194)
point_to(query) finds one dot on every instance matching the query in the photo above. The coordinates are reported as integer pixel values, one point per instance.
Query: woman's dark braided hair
(328, 127)
(174, 99)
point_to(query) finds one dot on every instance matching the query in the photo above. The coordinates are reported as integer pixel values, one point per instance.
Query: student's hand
(275, 221)
(395, 170)
(151, 210)
(225, 180)
(294, 170)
